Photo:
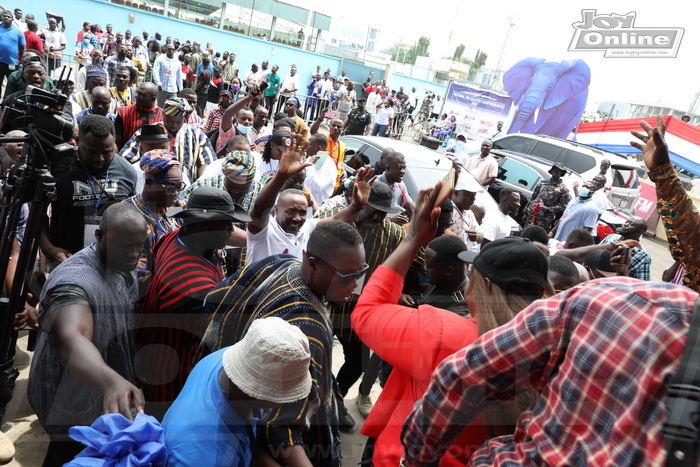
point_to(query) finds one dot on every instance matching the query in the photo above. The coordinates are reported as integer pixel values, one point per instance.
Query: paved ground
(21, 425)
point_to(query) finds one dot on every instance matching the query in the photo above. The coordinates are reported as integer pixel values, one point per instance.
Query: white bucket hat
(271, 362)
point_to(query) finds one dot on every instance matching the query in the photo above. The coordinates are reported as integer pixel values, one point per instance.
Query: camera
(41, 111)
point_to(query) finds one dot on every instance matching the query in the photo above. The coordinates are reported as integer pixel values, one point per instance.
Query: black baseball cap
(513, 263)
(380, 198)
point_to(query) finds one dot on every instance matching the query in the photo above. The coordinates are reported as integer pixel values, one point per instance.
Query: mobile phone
(624, 255)
(448, 185)
(263, 86)
(332, 114)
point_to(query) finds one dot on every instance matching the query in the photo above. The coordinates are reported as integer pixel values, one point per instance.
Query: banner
(477, 111)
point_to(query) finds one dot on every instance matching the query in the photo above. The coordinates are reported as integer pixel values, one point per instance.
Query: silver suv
(623, 181)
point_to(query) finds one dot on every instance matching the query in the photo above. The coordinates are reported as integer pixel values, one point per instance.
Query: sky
(544, 29)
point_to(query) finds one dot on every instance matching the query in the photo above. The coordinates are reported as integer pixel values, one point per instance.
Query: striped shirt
(274, 287)
(380, 240)
(172, 315)
(123, 99)
(601, 356)
(131, 118)
(190, 145)
(156, 229)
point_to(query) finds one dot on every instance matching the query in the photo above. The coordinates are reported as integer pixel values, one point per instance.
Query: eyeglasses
(172, 189)
(344, 278)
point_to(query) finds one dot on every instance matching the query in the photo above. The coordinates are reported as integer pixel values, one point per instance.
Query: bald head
(146, 95)
(101, 98)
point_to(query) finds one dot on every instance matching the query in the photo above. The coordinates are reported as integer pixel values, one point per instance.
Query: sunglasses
(172, 189)
(344, 278)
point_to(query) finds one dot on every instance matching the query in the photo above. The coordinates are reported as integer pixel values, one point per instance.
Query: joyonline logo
(617, 36)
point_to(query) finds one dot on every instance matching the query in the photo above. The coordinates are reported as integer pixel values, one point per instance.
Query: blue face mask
(459, 146)
(243, 129)
(584, 192)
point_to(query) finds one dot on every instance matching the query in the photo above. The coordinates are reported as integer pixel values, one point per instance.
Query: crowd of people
(202, 259)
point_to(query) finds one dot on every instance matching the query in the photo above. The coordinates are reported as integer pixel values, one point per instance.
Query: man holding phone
(629, 235)
(385, 117)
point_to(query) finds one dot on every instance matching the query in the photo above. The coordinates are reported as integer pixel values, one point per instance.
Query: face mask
(459, 146)
(243, 129)
(225, 104)
(235, 88)
(584, 192)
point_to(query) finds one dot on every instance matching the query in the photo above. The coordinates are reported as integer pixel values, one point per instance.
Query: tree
(407, 53)
(422, 47)
(459, 50)
(477, 64)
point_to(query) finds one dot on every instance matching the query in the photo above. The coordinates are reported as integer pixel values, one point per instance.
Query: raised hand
(292, 161)
(364, 178)
(425, 217)
(654, 150)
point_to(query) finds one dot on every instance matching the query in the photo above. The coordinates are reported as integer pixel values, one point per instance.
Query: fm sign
(617, 36)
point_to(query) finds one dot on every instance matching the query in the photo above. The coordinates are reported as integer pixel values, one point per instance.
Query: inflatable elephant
(550, 96)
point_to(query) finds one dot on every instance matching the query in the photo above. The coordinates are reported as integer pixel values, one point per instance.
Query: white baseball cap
(467, 182)
(271, 362)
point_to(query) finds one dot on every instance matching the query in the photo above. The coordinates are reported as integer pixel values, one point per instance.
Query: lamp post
(250, 23)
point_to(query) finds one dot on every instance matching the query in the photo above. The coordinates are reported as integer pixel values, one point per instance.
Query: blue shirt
(10, 40)
(578, 215)
(201, 427)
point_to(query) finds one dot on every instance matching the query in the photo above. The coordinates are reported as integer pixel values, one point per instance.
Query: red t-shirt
(33, 41)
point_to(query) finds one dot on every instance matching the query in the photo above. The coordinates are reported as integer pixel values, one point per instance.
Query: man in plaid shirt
(601, 356)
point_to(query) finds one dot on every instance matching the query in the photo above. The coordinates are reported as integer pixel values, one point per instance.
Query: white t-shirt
(272, 240)
(290, 82)
(213, 169)
(384, 114)
(496, 225)
(54, 39)
(345, 100)
(601, 200)
(252, 78)
(413, 99)
(326, 89)
(265, 170)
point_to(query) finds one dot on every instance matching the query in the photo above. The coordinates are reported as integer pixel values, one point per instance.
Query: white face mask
(243, 129)
(459, 146)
